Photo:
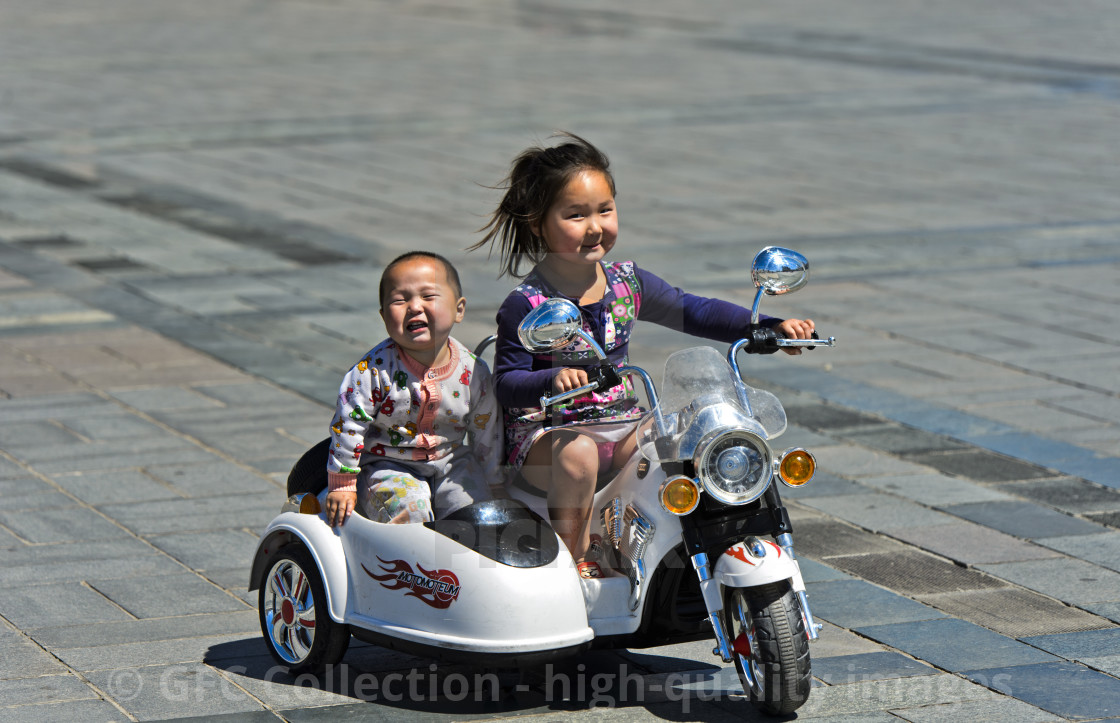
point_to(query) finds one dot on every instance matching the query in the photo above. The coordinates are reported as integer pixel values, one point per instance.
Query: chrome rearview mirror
(553, 325)
(777, 271)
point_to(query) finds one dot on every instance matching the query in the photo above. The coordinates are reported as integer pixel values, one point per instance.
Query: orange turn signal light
(680, 495)
(797, 467)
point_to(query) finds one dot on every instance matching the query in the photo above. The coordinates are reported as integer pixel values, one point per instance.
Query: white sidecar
(492, 581)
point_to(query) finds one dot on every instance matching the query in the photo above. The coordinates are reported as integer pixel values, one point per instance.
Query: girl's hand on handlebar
(340, 504)
(568, 379)
(796, 329)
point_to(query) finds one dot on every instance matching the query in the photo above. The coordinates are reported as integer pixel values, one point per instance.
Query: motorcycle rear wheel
(770, 646)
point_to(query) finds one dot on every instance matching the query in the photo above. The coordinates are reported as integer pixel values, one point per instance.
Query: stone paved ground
(196, 198)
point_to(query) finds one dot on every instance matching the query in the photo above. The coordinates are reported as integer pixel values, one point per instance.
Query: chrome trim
(611, 517)
(812, 627)
(704, 572)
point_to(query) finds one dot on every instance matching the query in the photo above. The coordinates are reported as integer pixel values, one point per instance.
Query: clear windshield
(696, 378)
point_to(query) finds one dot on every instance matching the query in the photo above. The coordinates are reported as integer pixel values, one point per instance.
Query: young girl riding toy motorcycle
(559, 213)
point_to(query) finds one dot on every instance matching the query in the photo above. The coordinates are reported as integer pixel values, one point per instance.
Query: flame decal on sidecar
(438, 588)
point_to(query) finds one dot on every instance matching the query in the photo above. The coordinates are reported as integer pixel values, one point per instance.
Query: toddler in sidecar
(404, 410)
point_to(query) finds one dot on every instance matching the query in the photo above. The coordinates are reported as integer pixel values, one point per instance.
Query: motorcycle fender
(737, 567)
(325, 547)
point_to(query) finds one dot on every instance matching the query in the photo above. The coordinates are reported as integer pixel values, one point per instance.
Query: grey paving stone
(936, 490)
(998, 710)
(954, 645)
(244, 623)
(1080, 645)
(38, 573)
(124, 485)
(165, 399)
(981, 465)
(859, 463)
(1102, 549)
(44, 689)
(1110, 610)
(824, 539)
(1071, 495)
(107, 459)
(36, 606)
(915, 573)
(210, 550)
(891, 694)
(247, 511)
(814, 571)
(848, 669)
(823, 485)
(834, 641)
(23, 659)
(100, 710)
(66, 524)
(166, 595)
(877, 511)
(135, 655)
(901, 440)
(10, 470)
(1072, 581)
(1106, 664)
(28, 503)
(157, 692)
(969, 543)
(855, 603)
(1065, 689)
(235, 581)
(1023, 519)
(1015, 612)
(21, 486)
(210, 478)
(118, 426)
(19, 438)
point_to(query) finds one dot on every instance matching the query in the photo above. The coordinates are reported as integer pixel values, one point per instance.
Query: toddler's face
(420, 307)
(582, 224)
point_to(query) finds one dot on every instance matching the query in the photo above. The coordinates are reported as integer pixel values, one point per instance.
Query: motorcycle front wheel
(770, 646)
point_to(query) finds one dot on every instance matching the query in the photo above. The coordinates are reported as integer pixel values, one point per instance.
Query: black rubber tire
(779, 665)
(304, 648)
(309, 474)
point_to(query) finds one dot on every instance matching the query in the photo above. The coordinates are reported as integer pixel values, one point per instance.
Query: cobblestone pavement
(196, 199)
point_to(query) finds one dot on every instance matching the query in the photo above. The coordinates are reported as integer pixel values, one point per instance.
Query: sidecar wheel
(770, 646)
(293, 611)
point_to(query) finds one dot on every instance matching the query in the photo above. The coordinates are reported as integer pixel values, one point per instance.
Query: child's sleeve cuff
(340, 482)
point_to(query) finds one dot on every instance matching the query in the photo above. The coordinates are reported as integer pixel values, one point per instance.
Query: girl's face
(582, 224)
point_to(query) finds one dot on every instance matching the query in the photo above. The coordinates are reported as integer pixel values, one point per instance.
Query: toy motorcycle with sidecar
(695, 539)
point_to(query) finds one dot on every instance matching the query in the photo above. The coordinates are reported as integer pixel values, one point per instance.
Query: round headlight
(735, 467)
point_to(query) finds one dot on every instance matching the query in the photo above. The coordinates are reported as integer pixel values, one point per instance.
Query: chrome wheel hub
(290, 611)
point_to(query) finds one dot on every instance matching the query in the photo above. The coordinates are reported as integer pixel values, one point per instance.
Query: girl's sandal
(589, 569)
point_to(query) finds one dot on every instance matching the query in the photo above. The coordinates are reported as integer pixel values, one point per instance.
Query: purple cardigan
(520, 378)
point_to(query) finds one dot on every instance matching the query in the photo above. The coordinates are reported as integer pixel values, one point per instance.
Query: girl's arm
(705, 317)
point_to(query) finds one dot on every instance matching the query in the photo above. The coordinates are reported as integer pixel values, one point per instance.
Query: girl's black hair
(536, 179)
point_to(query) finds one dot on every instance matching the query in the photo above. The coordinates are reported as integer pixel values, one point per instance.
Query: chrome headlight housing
(735, 466)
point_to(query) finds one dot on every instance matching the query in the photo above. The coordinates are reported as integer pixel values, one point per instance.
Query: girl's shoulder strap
(533, 290)
(623, 279)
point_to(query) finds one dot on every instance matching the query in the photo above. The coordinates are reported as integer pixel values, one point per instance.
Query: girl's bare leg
(565, 464)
